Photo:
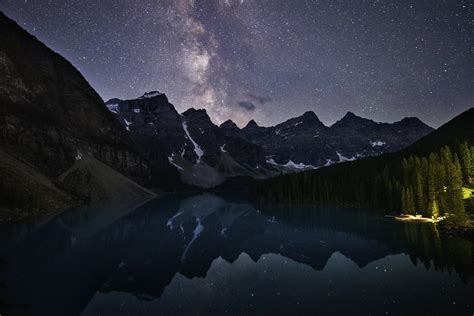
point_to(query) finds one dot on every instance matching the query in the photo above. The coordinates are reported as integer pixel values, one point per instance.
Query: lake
(220, 254)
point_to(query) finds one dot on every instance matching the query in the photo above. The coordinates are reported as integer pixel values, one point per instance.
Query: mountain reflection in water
(210, 254)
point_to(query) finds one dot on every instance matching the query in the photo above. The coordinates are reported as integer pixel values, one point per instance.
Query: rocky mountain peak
(412, 120)
(230, 125)
(309, 115)
(151, 104)
(349, 115)
(114, 100)
(251, 125)
(308, 119)
(353, 120)
(193, 114)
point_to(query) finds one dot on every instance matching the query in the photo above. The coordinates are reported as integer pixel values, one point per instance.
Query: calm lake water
(214, 255)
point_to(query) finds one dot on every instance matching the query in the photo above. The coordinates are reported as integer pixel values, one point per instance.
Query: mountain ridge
(297, 144)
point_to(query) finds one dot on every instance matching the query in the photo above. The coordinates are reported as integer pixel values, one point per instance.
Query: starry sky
(269, 60)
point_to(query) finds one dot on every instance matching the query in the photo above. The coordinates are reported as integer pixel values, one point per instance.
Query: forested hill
(453, 133)
(432, 177)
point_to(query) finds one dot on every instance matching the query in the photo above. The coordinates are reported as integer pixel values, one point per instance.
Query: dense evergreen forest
(434, 185)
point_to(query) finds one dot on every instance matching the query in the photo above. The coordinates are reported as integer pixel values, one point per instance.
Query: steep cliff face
(50, 116)
(49, 112)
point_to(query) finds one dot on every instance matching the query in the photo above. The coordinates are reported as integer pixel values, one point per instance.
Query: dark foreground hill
(50, 118)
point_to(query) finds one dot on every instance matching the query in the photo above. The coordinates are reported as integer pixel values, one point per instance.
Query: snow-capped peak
(151, 94)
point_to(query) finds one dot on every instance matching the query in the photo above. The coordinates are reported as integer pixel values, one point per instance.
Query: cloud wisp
(260, 99)
(246, 105)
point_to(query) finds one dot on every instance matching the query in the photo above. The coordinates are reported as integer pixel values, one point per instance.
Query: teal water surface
(213, 255)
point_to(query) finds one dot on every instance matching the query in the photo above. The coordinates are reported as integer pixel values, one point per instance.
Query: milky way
(269, 60)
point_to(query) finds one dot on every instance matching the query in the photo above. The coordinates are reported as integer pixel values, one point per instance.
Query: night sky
(269, 60)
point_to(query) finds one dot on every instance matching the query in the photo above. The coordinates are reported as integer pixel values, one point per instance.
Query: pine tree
(434, 209)
(440, 184)
(410, 201)
(431, 187)
(404, 200)
(454, 202)
(472, 164)
(446, 156)
(390, 195)
(420, 196)
(466, 162)
(405, 173)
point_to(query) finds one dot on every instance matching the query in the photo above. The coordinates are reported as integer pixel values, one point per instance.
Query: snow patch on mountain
(197, 149)
(170, 159)
(377, 143)
(291, 164)
(272, 162)
(223, 149)
(113, 108)
(344, 159)
(151, 94)
(328, 162)
(127, 124)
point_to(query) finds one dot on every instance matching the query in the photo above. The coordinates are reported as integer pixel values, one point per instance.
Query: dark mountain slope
(49, 114)
(24, 190)
(48, 110)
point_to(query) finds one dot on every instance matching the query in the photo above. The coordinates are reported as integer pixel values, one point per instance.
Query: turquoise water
(209, 254)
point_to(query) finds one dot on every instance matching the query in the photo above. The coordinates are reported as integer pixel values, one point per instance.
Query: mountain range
(60, 144)
(205, 155)
(304, 142)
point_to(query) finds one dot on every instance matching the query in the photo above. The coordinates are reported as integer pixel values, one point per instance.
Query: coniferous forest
(437, 185)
